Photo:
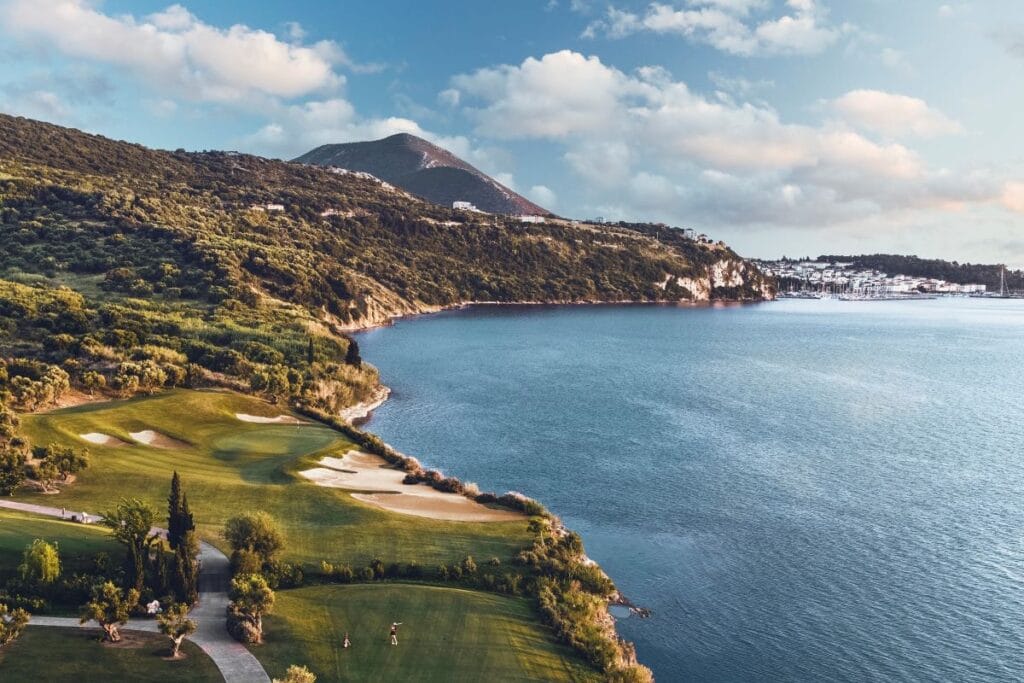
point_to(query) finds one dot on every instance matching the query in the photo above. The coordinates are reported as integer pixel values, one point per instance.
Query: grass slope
(446, 635)
(70, 655)
(78, 543)
(231, 466)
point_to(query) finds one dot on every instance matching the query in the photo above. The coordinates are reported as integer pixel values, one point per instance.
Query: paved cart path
(234, 660)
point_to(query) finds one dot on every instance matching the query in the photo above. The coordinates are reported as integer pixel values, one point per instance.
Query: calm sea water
(800, 491)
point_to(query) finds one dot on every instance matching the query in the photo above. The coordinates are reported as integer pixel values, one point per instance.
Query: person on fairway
(394, 632)
(346, 643)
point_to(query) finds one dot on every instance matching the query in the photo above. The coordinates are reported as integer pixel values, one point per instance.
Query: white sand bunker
(103, 439)
(279, 420)
(381, 485)
(148, 437)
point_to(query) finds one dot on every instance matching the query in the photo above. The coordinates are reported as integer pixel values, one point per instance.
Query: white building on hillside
(464, 206)
(530, 219)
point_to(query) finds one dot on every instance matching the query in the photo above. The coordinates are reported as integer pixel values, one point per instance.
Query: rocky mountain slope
(425, 170)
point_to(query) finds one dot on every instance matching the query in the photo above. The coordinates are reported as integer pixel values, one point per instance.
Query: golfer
(394, 632)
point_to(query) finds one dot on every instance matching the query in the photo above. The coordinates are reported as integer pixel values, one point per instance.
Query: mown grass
(447, 635)
(78, 543)
(71, 655)
(231, 466)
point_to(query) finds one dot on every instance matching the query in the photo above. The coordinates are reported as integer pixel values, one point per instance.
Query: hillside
(348, 250)
(950, 271)
(425, 170)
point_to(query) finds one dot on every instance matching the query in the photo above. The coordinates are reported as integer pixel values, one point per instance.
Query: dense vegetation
(950, 271)
(130, 271)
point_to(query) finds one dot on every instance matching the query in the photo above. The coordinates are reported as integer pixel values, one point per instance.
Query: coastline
(359, 414)
(390, 319)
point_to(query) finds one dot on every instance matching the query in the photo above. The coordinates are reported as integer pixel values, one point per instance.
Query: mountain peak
(425, 169)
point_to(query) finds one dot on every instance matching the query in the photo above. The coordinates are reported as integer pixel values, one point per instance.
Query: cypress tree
(161, 582)
(174, 530)
(186, 522)
(311, 351)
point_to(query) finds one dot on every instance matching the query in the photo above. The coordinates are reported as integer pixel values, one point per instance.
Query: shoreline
(361, 413)
(390, 320)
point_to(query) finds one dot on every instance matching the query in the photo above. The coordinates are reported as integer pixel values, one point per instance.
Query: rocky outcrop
(726, 278)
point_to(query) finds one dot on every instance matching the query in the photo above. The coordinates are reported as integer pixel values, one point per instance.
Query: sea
(798, 490)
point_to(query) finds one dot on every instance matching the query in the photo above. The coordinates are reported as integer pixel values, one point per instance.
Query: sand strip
(279, 420)
(103, 439)
(379, 484)
(148, 437)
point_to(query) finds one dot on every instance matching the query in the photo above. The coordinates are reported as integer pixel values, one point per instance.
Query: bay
(798, 490)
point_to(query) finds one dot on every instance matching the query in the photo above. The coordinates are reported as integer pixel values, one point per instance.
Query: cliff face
(728, 278)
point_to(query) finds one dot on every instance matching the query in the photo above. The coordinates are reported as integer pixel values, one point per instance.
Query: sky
(784, 127)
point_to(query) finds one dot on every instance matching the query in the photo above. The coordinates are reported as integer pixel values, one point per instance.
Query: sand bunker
(102, 439)
(279, 420)
(379, 484)
(148, 437)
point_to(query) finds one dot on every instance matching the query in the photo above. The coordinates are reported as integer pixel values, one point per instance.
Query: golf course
(230, 464)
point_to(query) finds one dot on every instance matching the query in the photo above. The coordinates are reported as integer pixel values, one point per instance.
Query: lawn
(71, 655)
(230, 466)
(447, 634)
(78, 543)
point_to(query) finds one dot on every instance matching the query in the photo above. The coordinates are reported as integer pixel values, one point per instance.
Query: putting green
(446, 635)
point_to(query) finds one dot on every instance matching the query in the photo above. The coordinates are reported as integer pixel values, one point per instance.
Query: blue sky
(782, 126)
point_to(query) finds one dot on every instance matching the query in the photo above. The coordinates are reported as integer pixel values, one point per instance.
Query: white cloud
(449, 97)
(738, 85)
(893, 115)
(727, 25)
(177, 51)
(543, 195)
(645, 144)
(896, 60)
(559, 94)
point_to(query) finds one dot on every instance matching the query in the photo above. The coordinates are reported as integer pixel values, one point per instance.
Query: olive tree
(109, 607)
(12, 623)
(251, 599)
(175, 624)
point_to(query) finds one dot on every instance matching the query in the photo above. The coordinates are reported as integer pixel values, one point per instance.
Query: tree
(131, 523)
(109, 607)
(352, 356)
(311, 351)
(47, 473)
(251, 599)
(40, 563)
(174, 531)
(297, 674)
(68, 461)
(255, 532)
(186, 569)
(13, 456)
(12, 623)
(93, 381)
(175, 624)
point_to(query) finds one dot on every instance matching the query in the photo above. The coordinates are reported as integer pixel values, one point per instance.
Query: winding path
(234, 660)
